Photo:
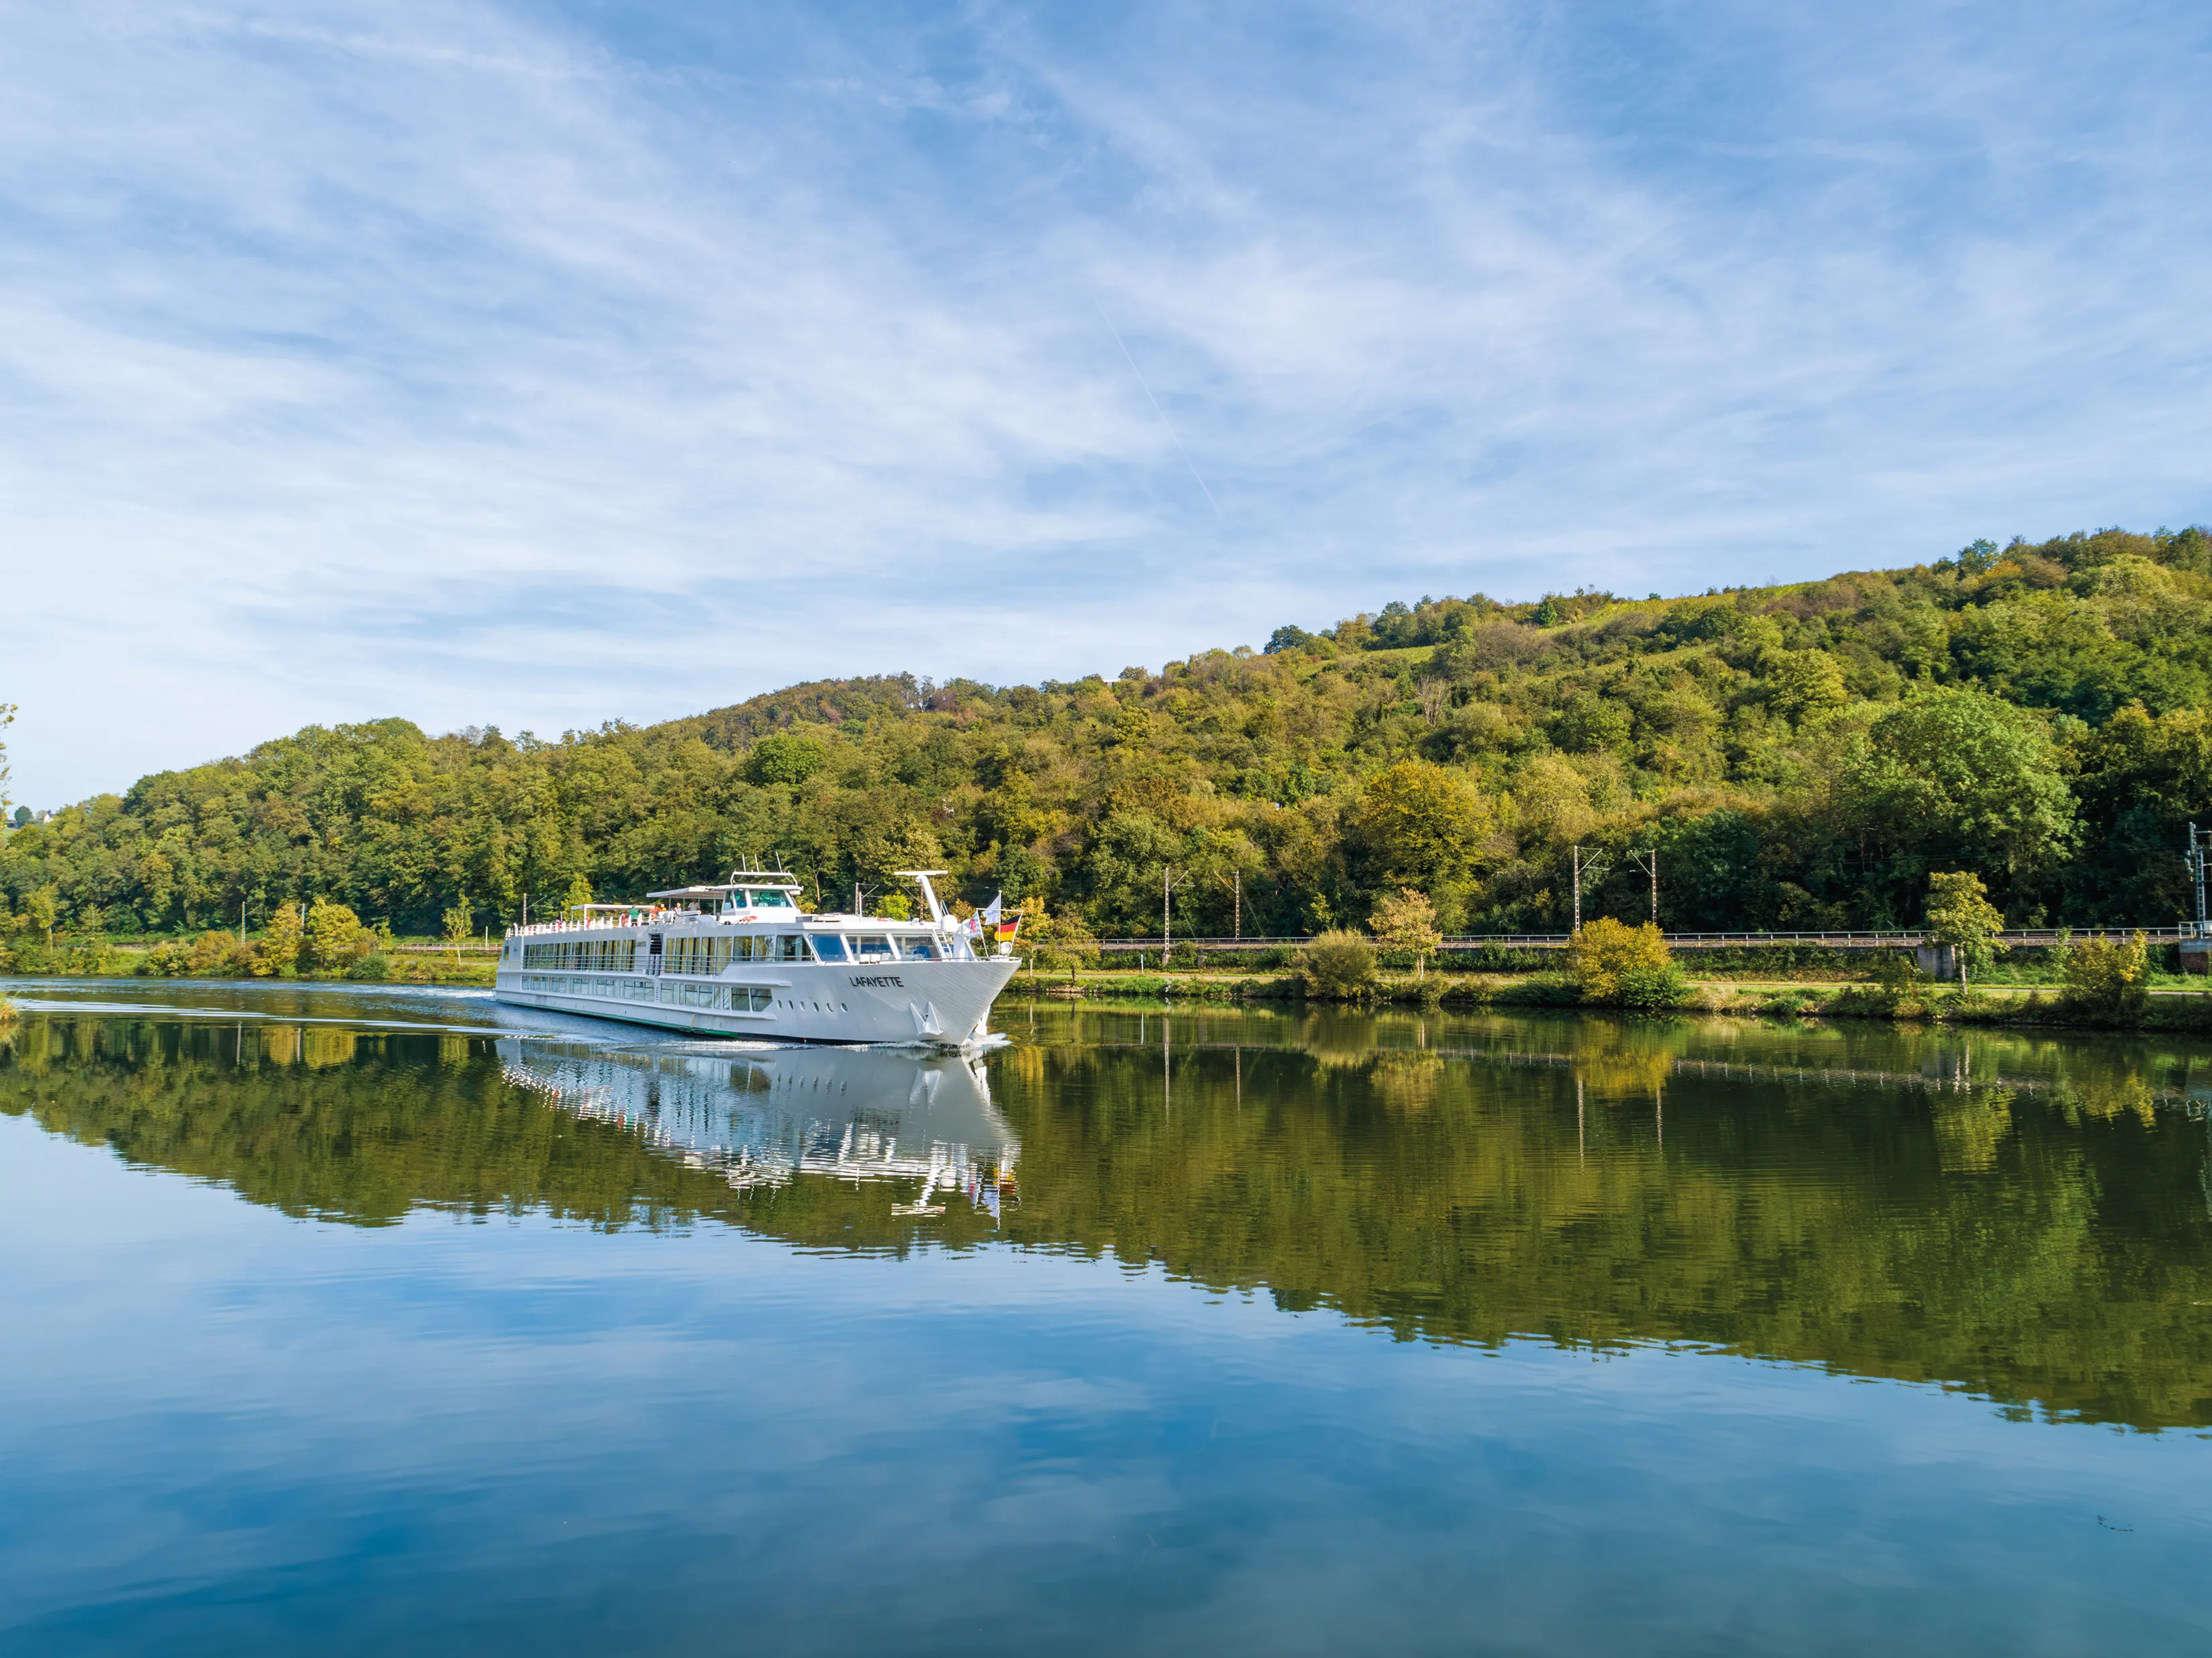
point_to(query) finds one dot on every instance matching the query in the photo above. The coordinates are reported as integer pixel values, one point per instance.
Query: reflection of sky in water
(233, 1432)
(227, 1431)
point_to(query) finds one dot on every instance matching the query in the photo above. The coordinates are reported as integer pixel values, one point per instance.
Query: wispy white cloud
(478, 362)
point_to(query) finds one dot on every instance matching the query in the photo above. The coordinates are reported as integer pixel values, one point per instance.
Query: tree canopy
(1800, 755)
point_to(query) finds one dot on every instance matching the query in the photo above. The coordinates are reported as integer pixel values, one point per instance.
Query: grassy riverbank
(101, 958)
(2026, 994)
(2167, 1007)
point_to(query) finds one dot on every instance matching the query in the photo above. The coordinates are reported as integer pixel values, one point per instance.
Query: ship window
(790, 947)
(599, 955)
(917, 949)
(698, 956)
(769, 900)
(870, 947)
(829, 946)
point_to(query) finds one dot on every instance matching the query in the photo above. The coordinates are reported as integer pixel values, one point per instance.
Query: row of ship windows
(727, 998)
(630, 990)
(593, 955)
(711, 955)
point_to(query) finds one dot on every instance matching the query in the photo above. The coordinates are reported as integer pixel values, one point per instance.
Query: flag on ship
(993, 916)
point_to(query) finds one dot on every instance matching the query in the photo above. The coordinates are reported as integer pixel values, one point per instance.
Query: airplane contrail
(1172, 437)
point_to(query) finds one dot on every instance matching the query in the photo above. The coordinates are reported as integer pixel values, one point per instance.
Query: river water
(368, 1321)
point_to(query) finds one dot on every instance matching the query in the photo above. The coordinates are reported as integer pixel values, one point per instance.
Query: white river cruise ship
(741, 959)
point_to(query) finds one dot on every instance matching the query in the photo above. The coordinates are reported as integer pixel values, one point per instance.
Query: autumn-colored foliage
(1799, 757)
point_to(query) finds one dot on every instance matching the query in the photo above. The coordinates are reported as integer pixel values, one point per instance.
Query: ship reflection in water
(757, 1116)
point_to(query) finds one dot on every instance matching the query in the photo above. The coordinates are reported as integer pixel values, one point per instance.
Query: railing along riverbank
(1907, 939)
(1887, 938)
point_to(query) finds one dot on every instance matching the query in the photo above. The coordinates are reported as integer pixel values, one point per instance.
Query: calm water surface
(373, 1321)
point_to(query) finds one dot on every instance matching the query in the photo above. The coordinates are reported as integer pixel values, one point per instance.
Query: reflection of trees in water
(1969, 1128)
(1406, 1081)
(2024, 1218)
(2044, 1241)
(367, 1128)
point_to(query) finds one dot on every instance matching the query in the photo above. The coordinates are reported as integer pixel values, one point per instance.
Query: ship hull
(942, 1004)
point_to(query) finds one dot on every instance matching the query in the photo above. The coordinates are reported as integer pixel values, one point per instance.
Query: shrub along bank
(2185, 1015)
(327, 942)
(2101, 984)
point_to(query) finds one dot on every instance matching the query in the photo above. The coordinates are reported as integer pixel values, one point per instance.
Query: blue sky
(538, 365)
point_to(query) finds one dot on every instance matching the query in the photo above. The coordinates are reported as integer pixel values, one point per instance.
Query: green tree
(1959, 915)
(277, 953)
(1963, 778)
(2110, 976)
(1339, 965)
(166, 959)
(1406, 921)
(579, 894)
(1977, 557)
(336, 937)
(2142, 779)
(1590, 723)
(1897, 975)
(459, 924)
(1802, 685)
(41, 909)
(1617, 965)
(216, 951)
(784, 757)
(1059, 941)
(1419, 825)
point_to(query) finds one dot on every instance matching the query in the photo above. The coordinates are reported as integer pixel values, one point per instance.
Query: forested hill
(1800, 756)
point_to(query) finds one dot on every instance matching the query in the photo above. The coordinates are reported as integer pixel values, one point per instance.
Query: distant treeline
(1798, 756)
